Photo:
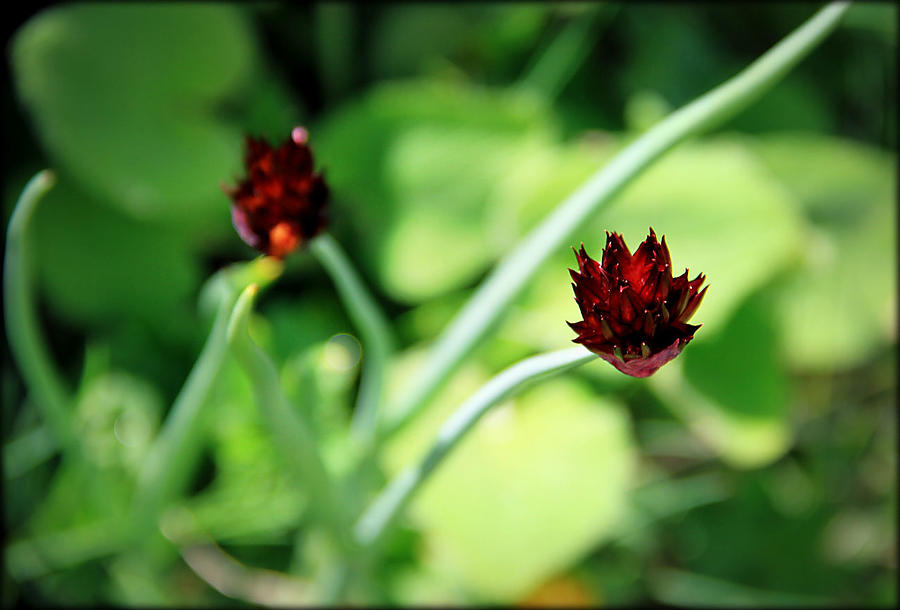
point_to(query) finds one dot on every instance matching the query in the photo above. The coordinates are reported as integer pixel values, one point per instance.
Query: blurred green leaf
(135, 119)
(833, 179)
(680, 588)
(732, 390)
(413, 39)
(405, 37)
(251, 498)
(540, 481)
(119, 415)
(444, 183)
(676, 33)
(840, 305)
(794, 103)
(644, 108)
(98, 265)
(134, 581)
(295, 324)
(412, 167)
(741, 369)
(82, 524)
(874, 18)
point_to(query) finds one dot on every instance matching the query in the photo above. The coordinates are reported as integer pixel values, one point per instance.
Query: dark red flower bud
(281, 204)
(634, 311)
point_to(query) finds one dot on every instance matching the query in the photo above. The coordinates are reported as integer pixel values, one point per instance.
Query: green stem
(373, 329)
(169, 460)
(382, 512)
(294, 439)
(335, 26)
(174, 451)
(552, 70)
(43, 381)
(505, 282)
(25, 341)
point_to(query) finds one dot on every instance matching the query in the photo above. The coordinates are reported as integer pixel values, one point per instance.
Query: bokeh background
(759, 468)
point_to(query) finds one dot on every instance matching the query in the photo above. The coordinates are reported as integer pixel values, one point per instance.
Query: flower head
(281, 203)
(635, 313)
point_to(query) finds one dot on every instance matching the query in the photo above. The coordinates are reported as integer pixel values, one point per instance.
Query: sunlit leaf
(840, 305)
(540, 481)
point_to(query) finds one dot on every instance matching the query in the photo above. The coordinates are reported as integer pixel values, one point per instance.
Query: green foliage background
(758, 468)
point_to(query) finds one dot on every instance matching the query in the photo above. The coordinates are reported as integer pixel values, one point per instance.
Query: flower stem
(174, 451)
(373, 329)
(508, 278)
(25, 341)
(294, 439)
(385, 508)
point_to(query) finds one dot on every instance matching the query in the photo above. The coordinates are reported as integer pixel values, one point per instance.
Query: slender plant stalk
(508, 278)
(382, 512)
(372, 326)
(556, 64)
(25, 341)
(169, 462)
(335, 24)
(45, 385)
(292, 436)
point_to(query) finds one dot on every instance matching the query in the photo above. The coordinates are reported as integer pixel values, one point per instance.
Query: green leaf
(119, 415)
(680, 588)
(125, 98)
(839, 307)
(414, 39)
(299, 322)
(98, 265)
(732, 390)
(414, 165)
(741, 369)
(833, 179)
(537, 484)
(252, 497)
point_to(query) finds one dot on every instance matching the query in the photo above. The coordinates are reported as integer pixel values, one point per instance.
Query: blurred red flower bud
(281, 204)
(635, 313)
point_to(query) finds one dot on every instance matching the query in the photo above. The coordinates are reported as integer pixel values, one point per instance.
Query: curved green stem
(508, 278)
(175, 450)
(291, 434)
(43, 381)
(382, 512)
(373, 329)
(25, 341)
